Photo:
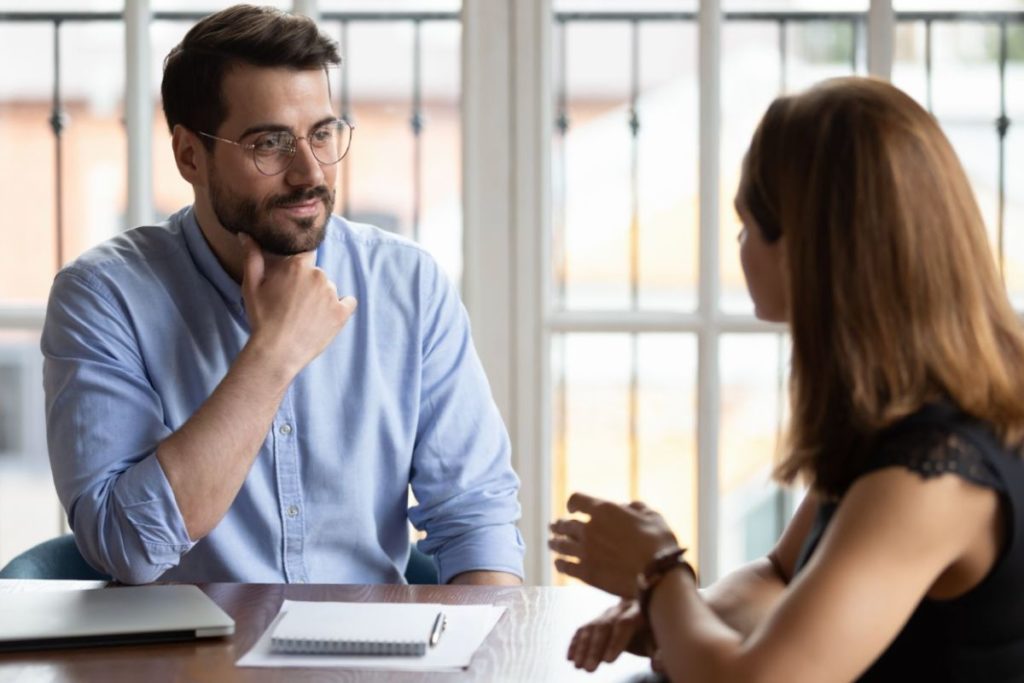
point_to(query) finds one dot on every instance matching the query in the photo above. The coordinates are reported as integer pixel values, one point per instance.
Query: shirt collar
(207, 263)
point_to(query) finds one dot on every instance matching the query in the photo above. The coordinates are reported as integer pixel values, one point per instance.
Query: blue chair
(58, 558)
(421, 568)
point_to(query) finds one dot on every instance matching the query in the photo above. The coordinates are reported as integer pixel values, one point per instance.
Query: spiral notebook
(355, 628)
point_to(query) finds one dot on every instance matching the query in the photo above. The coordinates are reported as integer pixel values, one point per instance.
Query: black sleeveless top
(979, 636)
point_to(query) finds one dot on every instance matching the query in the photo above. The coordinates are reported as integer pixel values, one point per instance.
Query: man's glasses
(274, 151)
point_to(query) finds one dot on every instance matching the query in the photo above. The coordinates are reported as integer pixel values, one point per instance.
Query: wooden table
(527, 645)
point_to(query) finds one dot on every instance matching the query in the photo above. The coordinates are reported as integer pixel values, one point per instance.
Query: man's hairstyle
(894, 297)
(243, 34)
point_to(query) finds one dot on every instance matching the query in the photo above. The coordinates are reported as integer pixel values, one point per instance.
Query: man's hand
(293, 309)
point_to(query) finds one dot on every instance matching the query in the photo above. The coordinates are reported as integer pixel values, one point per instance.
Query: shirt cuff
(147, 502)
(488, 549)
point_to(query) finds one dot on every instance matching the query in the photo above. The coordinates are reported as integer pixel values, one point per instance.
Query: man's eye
(272, 143)
(323, 135)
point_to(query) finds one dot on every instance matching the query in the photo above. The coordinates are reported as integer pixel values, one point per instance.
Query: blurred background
(622, 320)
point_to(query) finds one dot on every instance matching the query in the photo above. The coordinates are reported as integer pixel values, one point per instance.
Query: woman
(906, 560)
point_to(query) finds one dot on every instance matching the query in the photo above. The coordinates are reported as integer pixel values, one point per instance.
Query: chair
(421, 568)
(58, 558)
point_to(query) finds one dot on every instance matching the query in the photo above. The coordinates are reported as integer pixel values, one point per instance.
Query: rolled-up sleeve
(465, 487)
(104, 422)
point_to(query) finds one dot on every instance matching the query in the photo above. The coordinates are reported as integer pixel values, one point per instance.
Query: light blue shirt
(140, 330)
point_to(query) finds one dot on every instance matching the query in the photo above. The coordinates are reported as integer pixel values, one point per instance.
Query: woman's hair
(893, 296)
(194, 69)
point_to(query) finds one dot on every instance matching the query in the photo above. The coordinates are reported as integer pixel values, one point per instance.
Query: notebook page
(382, 622)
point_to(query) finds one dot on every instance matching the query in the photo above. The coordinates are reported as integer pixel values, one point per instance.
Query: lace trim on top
(934, 452)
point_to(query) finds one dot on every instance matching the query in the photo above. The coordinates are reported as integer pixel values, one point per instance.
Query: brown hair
(243, 34)
(894, 299)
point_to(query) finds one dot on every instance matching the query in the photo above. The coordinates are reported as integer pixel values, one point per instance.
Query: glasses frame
(251, 147)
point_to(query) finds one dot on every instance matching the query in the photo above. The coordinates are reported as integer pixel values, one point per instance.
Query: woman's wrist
(663, 562)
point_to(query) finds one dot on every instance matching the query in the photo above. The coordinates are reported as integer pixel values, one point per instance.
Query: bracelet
(662, 563)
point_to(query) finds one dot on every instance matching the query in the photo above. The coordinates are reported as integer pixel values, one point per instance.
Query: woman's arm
(742, 598)
(893, 535)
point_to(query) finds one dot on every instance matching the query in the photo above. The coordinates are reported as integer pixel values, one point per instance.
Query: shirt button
(293, 510)
(285, 429)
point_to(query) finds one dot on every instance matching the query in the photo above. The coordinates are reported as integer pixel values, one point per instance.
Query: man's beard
(240, 214)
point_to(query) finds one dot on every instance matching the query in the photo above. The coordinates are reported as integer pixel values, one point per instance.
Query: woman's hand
(610, 549)
(619, 628)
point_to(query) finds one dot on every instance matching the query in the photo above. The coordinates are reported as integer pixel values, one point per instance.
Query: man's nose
(305, 169)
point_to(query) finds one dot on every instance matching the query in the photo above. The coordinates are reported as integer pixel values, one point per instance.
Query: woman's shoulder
(941, 439)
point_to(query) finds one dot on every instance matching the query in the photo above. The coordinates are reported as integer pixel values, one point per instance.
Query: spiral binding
(348, 647)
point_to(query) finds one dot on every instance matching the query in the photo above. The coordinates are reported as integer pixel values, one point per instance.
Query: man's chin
(294, 237)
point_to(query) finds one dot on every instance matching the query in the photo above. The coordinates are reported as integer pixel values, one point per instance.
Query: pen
(435, 632)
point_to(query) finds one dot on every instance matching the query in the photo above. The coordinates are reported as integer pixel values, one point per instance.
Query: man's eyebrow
(279, 128)
(323, 122)
(264, 128)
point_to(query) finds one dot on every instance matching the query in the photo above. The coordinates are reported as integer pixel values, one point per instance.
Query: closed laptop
(107, 616)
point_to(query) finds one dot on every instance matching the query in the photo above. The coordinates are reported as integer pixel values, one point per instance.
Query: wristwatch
(661, 564)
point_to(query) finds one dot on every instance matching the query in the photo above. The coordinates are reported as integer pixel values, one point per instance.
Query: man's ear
(189, 155)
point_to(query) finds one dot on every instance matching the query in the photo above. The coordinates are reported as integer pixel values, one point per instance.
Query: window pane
(798, 5)
(390, 5)
(624, 423)
(596, 158)
(208, 6)
(170, 191)
(667, 183)
(623, 240)
(620, 6)
(93, 149)
(747, 47)
(969, 5)
(29, 510)
(378, 177)
(753, 511)
(965, 70)
(788, 57)
(61, 6)
(964, 94)
(1014, 221)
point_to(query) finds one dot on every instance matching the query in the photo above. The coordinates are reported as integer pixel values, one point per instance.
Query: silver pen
(435, 632)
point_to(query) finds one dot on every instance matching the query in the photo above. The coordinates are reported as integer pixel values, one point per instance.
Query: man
(215, 411)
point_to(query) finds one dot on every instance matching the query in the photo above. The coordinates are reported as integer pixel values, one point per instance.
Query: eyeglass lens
(273, 152)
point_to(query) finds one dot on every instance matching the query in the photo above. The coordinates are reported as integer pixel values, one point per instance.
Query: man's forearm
(483, 578)
(208, 458)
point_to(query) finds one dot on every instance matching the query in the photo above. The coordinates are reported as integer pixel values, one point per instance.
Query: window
(640, 371)
(630, 332)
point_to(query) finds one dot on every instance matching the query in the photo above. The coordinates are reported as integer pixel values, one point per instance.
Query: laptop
(109, 616)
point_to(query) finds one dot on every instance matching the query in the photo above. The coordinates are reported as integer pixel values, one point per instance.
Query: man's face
(285, 213)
